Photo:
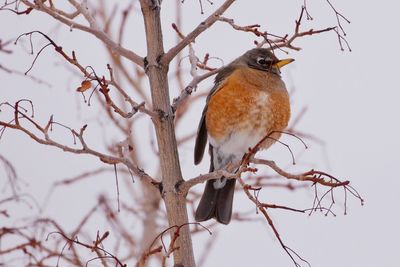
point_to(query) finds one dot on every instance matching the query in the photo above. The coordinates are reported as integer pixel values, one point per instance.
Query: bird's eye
(261, 61)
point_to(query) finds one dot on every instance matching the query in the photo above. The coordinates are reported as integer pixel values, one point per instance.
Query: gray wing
(201, 139)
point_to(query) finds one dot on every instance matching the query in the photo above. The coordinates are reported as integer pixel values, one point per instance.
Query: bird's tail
(216, 203)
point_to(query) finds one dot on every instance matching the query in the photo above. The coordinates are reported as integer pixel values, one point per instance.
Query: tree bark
(175, 202)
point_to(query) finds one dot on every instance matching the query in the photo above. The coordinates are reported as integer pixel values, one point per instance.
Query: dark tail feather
(216, 203)
(206, 208)
(223, 211)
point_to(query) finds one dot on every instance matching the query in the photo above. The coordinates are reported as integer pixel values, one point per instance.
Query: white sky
(352, 100)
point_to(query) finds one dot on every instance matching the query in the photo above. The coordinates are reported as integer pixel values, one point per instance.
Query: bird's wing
(201, 139)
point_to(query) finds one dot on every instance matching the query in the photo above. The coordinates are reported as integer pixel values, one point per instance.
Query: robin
(249, 100)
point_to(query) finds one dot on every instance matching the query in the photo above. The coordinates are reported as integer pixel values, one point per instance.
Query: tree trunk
(175, 202)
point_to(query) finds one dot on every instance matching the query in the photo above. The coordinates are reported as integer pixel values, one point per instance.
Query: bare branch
(254, 198)
(278, 42)
(95, 247)
(102, 82)
(92, 29)
(191, 87)
(167, 57)
(11, 175)
(310, 176)
(19, 73)
(194, 64)
(171, 248)
(184, 187)
(3, 46)
(46, 140)
(249, 28)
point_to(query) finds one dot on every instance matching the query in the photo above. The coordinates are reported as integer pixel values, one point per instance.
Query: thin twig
(101, 35)
(167, 57)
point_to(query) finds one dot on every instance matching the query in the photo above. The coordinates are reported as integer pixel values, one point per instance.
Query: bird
(248, 101)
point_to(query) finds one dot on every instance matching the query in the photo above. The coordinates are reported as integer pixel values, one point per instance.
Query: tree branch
(46, 140)
(157, 73)
(167, 57)
(190, 88)
(101, 35)
(102, 82)
(310, 176)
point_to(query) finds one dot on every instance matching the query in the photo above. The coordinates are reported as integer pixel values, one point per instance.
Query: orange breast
(249, 101)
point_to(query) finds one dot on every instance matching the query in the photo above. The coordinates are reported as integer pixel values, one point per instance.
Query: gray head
(262, 59)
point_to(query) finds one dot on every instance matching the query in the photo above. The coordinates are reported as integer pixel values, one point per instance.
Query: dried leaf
(85, 85)
(110, 160)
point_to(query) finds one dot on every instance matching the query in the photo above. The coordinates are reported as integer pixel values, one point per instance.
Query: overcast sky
(352, 105)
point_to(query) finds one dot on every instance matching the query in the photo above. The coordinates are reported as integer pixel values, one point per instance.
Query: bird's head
(263, 59)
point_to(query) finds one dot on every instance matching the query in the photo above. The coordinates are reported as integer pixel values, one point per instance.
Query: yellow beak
(283, 62)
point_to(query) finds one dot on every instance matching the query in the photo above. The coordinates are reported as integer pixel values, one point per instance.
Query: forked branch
(20, 115)
(68, 19)
(207, 23)
(90, 75)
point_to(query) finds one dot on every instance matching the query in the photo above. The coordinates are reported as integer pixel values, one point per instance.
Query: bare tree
(119, 88)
